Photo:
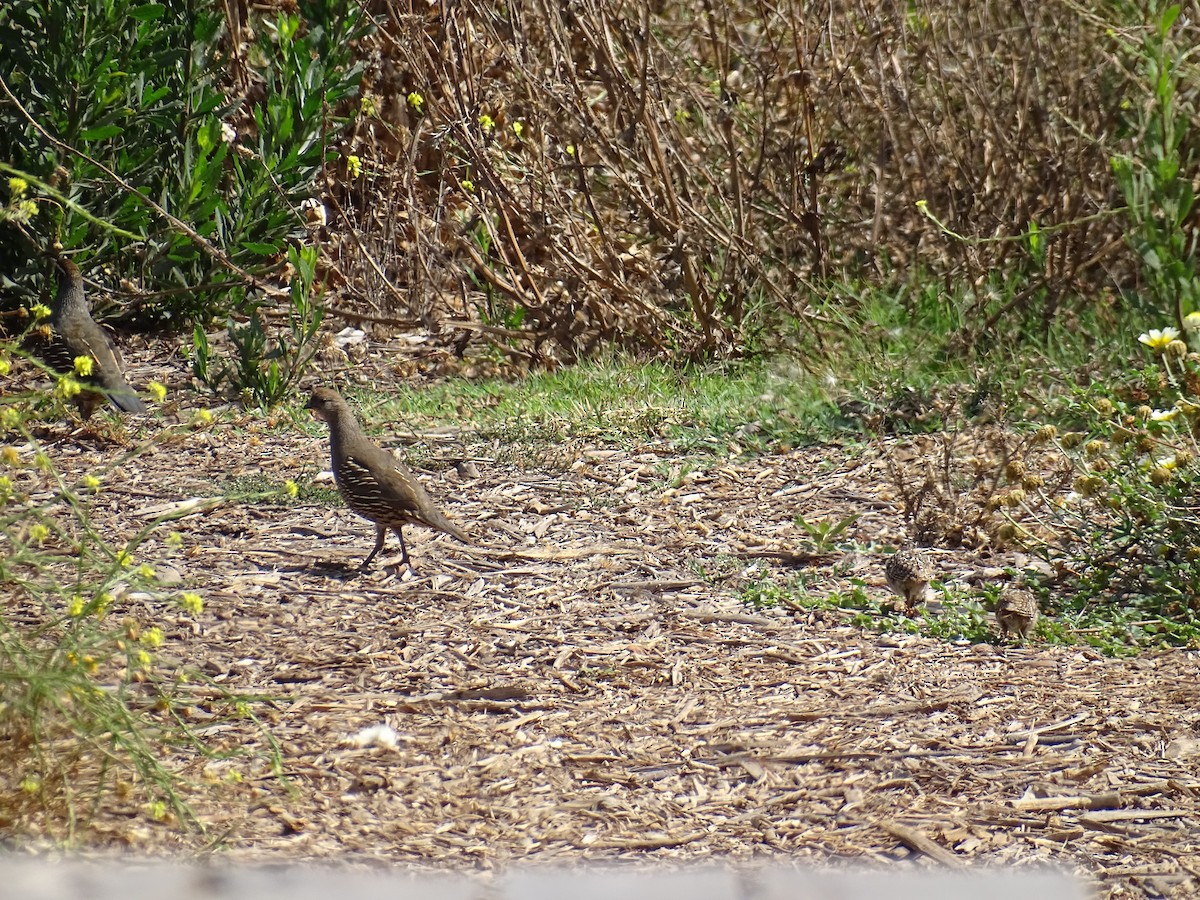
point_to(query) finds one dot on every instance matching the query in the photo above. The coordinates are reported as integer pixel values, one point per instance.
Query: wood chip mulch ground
(571, 687)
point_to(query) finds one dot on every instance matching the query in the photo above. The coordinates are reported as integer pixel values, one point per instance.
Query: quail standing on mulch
(908, 572)
(75, 335)
(374, 483)
(1017, 610)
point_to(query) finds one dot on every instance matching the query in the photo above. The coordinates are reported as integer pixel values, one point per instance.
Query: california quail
(374, 483)
(908, 573)
(75, 335)
(1017, 610)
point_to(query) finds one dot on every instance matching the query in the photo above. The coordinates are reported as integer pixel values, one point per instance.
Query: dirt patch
(568, 688)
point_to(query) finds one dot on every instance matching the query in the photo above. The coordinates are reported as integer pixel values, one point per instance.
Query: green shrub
(1125, 539)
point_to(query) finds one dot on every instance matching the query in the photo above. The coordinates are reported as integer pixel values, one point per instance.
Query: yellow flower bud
(1045, 434)
(1014, 498)
(1160, 475)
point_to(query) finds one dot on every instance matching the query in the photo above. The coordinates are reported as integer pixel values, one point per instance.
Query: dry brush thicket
(659, 173)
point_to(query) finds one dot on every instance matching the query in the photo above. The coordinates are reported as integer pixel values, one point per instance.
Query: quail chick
(76, 334)
(374, 483)
(908, 572)
(1017, 610)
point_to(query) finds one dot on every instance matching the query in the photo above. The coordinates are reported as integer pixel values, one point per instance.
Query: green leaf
(259, 248)
(148, 13)
(99, 134)
(1170, 14)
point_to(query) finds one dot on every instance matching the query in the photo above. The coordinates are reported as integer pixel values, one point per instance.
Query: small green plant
(823, 534)
(265, 369)
(764, 593)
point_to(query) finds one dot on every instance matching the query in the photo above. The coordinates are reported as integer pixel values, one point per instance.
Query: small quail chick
(1017, 610)
(374, 483)
(908, 573)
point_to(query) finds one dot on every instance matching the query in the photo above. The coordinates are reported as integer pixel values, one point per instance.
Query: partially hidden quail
(908, 573)
(374, 483)
(1017, 610)
(76, 334)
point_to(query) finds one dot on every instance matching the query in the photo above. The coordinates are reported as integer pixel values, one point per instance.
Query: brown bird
(908, 573)
(75, 335)
(374, 483)
(1017, 610)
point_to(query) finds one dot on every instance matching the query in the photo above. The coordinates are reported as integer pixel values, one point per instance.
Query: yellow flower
(26, 210)
(1163, 415)
(75, 607)
(570, 149)
(91, 483)
(468, 185)
(5, 366)
(38, 533)
(153, 637)
(5, 487)
(17, 186)
(1157, 339)
(145, 570)
(83, 366)
(9, 456)
(518, 127)
(31, 784)
(193, 603)
(157, 810)
(157, 391)
(39, 311)
(174, 540)
(292, 489)
(142, 659)
(486, 122)
(354, 166)
(201, 417)
(367, 106)
(67, 387)
(123, 558)
(42, 462)
(103, 602)
(10, 417)
(415, 100)
(1192, 321)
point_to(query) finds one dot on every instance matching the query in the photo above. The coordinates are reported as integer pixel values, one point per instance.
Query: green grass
(624, 403)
